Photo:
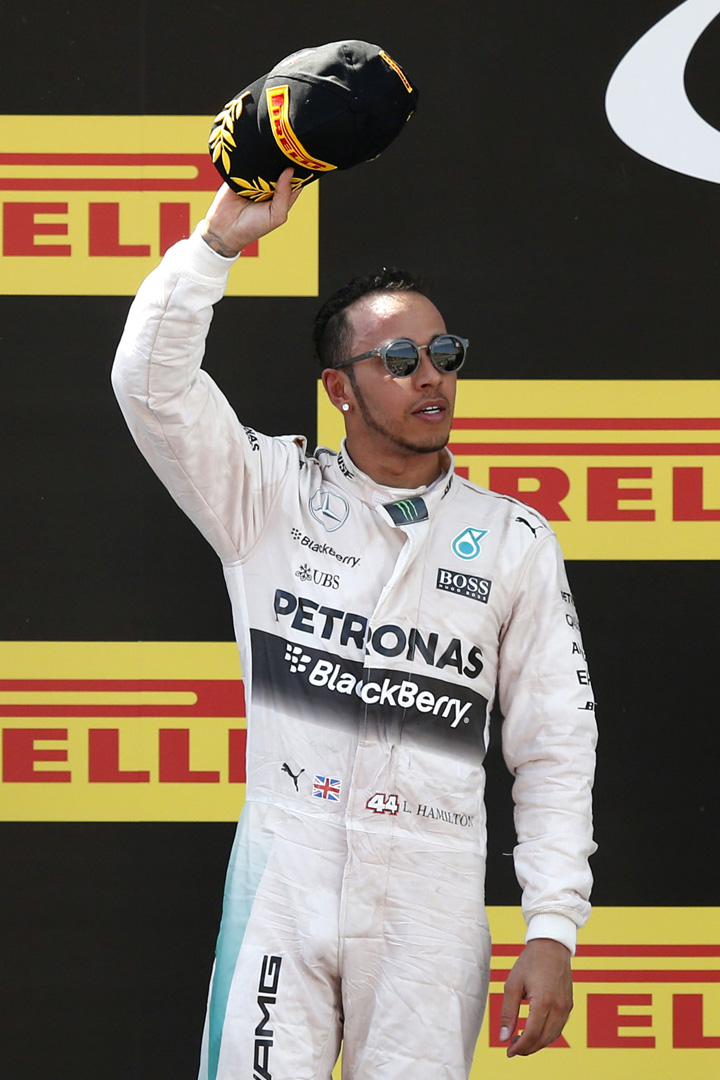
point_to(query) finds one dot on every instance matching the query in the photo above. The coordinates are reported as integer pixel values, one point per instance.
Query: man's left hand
(542, 976)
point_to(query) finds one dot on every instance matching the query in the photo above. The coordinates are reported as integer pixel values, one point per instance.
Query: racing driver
(380, 602)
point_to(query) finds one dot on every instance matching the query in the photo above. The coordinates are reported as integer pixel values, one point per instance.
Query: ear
(337, 387)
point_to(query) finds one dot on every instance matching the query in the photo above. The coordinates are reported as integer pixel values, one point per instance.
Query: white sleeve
(223, 475)
(549, 736)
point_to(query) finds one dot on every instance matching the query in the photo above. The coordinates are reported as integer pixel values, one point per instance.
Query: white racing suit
(375, 628)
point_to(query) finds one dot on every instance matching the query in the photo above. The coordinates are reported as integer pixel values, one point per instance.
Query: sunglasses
(402, 356)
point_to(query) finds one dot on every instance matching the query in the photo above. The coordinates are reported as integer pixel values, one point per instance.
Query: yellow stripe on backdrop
(623, 469)
(91, 211)
(121, 731)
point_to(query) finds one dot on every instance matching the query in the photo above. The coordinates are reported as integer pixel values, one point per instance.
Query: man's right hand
(232, 222)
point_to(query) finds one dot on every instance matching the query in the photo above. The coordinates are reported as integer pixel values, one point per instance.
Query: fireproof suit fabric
(375, 628)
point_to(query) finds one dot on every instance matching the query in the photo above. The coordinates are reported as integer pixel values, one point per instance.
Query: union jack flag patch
(326, 788)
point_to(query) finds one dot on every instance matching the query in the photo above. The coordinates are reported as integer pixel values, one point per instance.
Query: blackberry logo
(323, 549)
(304, 573)
(296, 658)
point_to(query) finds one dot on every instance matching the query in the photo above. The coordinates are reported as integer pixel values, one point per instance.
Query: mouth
(432, 410)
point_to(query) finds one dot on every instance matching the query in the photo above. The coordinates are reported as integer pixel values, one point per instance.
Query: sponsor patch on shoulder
(476, 588)
(466, 544)
(407, 511)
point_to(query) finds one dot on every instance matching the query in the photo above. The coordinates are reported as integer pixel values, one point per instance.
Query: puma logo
(532, 530)
(294, 776)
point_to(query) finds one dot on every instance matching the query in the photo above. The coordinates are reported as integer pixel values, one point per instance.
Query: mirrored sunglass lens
(447, 352)
(401, 358)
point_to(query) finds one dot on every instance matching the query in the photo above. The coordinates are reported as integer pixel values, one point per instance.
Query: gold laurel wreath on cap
(222, 141)
(262, 190)
(221, 138)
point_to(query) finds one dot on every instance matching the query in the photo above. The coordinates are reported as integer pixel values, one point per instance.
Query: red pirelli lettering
(604, 1021)
(688, 1031)
(552, 486)
(21, 227)
(104, 233)
(104, 760)
(604, 494)
(20, 755)
(174, 760)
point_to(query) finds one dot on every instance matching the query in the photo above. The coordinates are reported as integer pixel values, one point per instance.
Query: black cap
(318, 110)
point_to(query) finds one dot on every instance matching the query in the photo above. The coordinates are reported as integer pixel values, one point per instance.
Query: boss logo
(476, 588)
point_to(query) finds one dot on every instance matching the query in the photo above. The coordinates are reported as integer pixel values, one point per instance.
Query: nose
(426, 374)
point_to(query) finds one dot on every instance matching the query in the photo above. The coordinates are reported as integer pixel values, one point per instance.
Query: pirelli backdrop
(559, 191)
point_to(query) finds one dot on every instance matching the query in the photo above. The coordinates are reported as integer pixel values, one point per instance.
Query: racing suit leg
(274, 1007)
(415, 961)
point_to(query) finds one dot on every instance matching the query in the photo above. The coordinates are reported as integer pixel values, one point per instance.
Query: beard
(433, 443)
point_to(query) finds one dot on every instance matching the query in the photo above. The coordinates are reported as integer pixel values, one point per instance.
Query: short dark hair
(331, 331)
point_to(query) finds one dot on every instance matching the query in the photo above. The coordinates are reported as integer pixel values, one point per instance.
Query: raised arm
(179, 418)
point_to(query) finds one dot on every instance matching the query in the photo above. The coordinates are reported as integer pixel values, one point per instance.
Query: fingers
(283, 199)
(511, 1006)
(543, 1026)
(283, 185)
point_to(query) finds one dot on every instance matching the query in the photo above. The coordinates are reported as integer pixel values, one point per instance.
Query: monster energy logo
(407, 511)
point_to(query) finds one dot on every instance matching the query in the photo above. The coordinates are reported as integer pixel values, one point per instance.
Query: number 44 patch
(380, 803)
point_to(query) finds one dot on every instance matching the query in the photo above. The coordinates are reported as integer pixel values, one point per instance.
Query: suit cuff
(557, 927)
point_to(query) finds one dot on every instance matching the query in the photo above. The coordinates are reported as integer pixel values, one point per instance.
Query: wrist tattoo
(218, 244)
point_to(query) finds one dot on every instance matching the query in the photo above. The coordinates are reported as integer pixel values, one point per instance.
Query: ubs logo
(318, 577)
(330, 508)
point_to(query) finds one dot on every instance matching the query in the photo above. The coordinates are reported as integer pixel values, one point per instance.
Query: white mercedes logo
(329, 508)
(646, 102)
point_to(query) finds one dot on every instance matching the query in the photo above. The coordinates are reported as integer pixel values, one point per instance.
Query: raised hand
(232, 222)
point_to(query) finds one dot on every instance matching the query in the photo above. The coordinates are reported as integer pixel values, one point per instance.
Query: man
(354, 906)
